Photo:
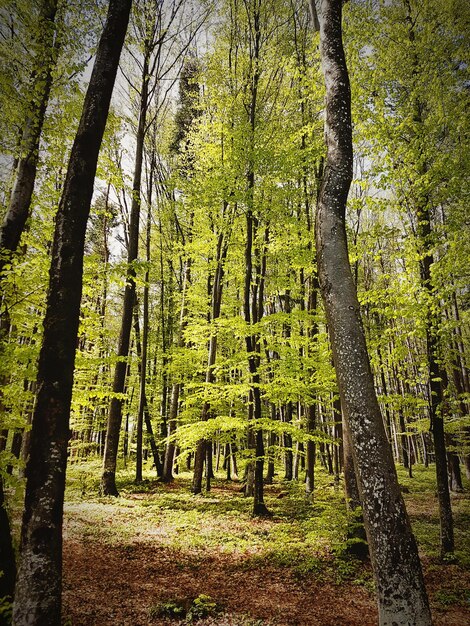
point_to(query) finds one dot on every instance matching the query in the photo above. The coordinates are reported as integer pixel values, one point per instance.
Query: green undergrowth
(192, 610)
(304, 536)
(422, 505)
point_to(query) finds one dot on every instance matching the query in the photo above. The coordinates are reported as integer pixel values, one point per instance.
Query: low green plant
(192, 610)
(202, 606)
(174, 609)
(6, 608)
(457, 595)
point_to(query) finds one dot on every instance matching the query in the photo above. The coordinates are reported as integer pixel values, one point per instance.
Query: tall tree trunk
(312, 332)
(108, 478)
(39, 581)
(146, 413)
(7, 553)
(145, 332)
(270, 454)
(288, 409)
(253, 294)
(170, 450)
(401, 592)
(356, 530)
(203, 448)
(20, 200)
(436, 376)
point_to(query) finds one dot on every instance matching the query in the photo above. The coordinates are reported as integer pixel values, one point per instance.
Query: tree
(411, 122)
(20, 199)
(7, 554)
(155, 23)
(38, 588)
(401, 592)
(149, 26)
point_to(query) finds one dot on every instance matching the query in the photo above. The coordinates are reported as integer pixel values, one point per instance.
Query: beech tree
(157, 24)
(149, 27)
(230, 355)
(20, 199)
(38, 587)
(417, 114)
(401, 592)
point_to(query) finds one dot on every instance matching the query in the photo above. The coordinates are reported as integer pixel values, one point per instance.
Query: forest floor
(159, 555)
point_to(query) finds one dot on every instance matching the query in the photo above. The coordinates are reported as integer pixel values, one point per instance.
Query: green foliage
(192, 610)
(6, 609)
(171, 608)
(457, 595)
(202, 606)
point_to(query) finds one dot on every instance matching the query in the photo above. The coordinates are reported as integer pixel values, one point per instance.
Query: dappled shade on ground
(124, 558)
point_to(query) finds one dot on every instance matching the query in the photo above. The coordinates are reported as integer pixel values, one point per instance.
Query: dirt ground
(107, 585)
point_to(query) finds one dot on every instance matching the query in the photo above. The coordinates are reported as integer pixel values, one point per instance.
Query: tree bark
(38, 588)
(170, 450)
(287, 411)
(401, 592)
(145, 329)
(7, 553)
(146, 413)
(356, 530)
(108, 478)
(203, 448)
(436, 375)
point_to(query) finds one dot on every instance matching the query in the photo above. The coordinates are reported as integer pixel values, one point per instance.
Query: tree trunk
(287, 439)
(170, 450)
(203, 448)
(145, 332)
(108, 479)
(401, 593)
(39, 581)
(271, 443)
(20, 200)
(15, 448)
(311, 408)
(7, 553)
(356, 530)
(436, 375)
(199, 459)
(453, 463)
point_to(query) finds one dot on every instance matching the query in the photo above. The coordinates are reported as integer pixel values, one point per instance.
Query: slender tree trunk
(20, 200)
(7, 553)
(108, 478)
(312, 407)
(288, 409)
(401, 592)
(271, 443)
(356, 530)
(39, 581)
(170, 449)
(287, 440)
(209, 465)
(176, 388)
(455, 475)
(145, 331)
(203, 448)
(436, 376)
(440, 452)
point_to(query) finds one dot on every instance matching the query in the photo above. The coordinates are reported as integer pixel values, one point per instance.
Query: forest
(235, 312)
